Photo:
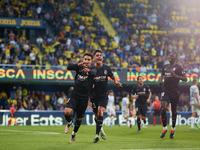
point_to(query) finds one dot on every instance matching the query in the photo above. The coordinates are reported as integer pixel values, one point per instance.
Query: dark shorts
(157, 112)
(170, 96)
(79, 105)
(141, 109)
(11, 115)
(101, 100)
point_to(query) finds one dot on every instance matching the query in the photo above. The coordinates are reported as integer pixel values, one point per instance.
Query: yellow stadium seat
(134, 25)
(120, 4)
(131, 15)
(112, 20)
(102, 4)
(128, 5)
(92, 14)
(177, 18)
(14, 101)
(128, 10)
(155, 27)
(47, 66)
(173, 17)
(93, 35)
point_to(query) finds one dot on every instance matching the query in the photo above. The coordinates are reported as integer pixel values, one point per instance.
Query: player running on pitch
(195, 103)
(143, 96)
(78, 100)
(99, 96)
(172, 73)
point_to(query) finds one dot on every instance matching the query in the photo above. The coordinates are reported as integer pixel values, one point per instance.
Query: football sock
(68, 118)
(161, 121)
(192, 122)
(154, 121)
(198, 120)
(99, 124)
(172, 128)
(164, 119)
(170, 121)
(173, 120)
(165, 128)
(77, 125)
(109, 120)
(9, 122)
(138, 123)
(133, 121)
(95, 120)
(144, 121)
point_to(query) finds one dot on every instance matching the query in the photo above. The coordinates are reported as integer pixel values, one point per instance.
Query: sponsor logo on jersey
(81, 78)
(100, 78)
(105, 72)
(174, 69)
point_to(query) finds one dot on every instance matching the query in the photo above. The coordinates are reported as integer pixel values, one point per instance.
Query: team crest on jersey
(105, 72)
(144, 89)
(174, 69)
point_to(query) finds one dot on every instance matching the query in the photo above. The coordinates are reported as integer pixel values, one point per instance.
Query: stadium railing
(14, 66)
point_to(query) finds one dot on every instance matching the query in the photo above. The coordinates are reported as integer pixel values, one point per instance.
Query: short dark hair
(126, 93)
(110, 91)
(88, 54)
(98, 50)
(194, 81)
(138, 77)
(175, 54)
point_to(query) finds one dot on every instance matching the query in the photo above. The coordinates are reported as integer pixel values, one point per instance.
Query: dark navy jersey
(83, 81)
(171, 83)
(101, 80)
(142, 92)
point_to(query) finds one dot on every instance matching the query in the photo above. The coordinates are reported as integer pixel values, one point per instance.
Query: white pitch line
(39, 132)
(163, 149)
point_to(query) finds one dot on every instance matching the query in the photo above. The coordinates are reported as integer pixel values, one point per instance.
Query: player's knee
(79, 119)
(67, 112)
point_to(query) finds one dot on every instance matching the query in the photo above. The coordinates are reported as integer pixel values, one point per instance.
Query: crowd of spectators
(78, 30)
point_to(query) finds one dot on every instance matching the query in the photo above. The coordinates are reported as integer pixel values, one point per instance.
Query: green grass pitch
(54, 138)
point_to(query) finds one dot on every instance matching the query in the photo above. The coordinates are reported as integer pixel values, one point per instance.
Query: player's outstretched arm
(117, 84)
(75, 66)
(183, 78)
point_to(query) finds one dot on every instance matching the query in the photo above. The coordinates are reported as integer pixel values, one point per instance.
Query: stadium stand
(145, 35)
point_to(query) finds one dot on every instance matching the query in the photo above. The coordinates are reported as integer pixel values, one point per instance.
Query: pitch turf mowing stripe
(31, 131)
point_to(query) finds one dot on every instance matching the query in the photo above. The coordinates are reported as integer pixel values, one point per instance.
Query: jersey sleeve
(133, 91)
(195, 90)
(74, 67)
(181, 72)
(163, 71)
(148, 89)
(93, 71)
(110, 73)
(127, 101)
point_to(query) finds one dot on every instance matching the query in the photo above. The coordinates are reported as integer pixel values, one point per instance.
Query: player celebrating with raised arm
(78, 100)
(143, 95)
(99, 94)
(195, 103)
(172, 73)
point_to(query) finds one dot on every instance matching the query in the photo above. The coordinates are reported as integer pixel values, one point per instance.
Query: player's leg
(193, 115)
(113, 115)
(109, 119)
(81, 107)
(144, 113)
(198, 122)
(164, 105)
(70, 106)
(68, 117)
(154, 118)
(138, 114)
(159, 114)
(174, 114)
